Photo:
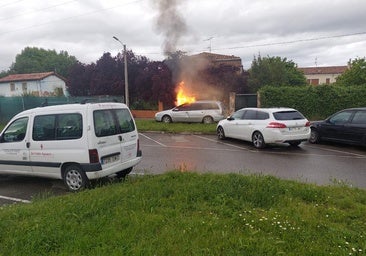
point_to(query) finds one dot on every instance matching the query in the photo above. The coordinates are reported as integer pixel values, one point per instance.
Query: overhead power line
(69, 18)
(35, 11)
(291, 42)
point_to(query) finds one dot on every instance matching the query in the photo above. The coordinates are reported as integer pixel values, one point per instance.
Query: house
(37, 84)
(218, 59)
(322, 75)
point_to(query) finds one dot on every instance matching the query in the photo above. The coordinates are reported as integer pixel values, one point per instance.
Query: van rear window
(112, 121)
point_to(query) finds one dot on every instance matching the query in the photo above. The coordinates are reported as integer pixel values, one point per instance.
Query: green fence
(10, 106)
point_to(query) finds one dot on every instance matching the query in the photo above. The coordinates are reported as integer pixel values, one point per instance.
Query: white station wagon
(264, 126)
(73, 142)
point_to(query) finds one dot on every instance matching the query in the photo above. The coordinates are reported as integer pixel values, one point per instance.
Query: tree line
(153, 81)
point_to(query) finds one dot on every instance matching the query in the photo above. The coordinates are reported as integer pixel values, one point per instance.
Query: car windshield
(288, 115)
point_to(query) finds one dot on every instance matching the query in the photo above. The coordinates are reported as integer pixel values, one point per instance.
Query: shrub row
(315, 102)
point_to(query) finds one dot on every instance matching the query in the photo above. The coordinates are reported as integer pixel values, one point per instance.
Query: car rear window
(359, 118)
(288, 115)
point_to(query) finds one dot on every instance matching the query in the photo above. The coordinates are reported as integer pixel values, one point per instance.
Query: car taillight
(276, 125)
(93, 156)
(307, 124)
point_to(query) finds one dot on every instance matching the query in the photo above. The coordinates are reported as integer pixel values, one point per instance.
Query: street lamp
(126, 73)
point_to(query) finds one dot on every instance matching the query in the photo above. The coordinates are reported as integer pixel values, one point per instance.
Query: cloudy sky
(308, 32)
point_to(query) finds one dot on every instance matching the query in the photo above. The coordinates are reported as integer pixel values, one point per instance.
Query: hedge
(315, 102)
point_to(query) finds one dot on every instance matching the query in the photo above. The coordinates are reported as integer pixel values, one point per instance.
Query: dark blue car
(346, 126)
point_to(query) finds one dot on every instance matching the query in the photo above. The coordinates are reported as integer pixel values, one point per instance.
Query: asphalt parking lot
(319, 164)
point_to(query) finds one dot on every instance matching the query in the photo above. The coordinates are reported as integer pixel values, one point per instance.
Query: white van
(73, 142)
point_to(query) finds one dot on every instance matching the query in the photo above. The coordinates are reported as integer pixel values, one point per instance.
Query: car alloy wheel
(258, 140)
(166, 119)
(314, 136)
(220, 133)
(207, 120)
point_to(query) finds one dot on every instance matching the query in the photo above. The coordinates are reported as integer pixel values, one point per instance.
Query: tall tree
(355, 75)
(105, 78)
(274, 71)
(34, 60)
(78, 82)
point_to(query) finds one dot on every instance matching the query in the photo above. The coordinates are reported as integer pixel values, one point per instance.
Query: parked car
(75, 142)
(264, 126)
(346, 126)
(197, 112)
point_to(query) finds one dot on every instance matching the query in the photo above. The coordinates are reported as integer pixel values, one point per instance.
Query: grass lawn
(190, 214)
(144, 125)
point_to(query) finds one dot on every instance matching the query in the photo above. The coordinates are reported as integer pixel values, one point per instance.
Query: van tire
(122, 174)
(75, 178)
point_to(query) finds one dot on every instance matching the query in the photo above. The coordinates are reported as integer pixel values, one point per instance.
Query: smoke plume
(170, 23)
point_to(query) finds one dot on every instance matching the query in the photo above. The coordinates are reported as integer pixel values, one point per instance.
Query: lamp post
(126, 72)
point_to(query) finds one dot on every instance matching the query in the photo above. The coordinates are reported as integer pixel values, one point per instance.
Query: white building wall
(45, 87)
(323, 78)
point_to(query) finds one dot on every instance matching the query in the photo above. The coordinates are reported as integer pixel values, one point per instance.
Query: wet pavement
(320, 164)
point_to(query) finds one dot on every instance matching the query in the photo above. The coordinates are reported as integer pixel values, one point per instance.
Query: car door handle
(27, 144)
(119, 137)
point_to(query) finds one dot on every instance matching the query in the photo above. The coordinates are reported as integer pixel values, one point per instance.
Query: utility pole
(209, 39)
(126, 71)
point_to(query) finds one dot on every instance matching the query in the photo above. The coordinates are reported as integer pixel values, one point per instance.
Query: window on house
(12, 87)
(314, 81)
(24, 87)
(327, 81)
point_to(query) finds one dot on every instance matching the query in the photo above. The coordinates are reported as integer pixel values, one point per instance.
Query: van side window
(16, 130)
(125, 120)
(69, 126)
(57, 127)
(112, 121)
(104, 123)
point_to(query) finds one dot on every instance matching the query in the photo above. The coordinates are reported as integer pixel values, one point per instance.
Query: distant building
(322, 75)
(218, 59)
(36, 84)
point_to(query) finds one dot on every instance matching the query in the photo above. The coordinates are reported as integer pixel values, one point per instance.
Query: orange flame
(182, 96)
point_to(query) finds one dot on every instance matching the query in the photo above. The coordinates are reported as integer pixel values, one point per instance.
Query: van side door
(14, 152)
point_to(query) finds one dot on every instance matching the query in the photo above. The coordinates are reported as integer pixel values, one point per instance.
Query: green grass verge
(191, 214)
(144, 125)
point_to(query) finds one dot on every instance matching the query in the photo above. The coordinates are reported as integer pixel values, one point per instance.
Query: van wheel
(207, 120)
(166, 119)
(74, 178)
(122, 174)
(258, 140)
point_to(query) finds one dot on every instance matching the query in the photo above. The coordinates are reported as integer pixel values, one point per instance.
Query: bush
(315, 102)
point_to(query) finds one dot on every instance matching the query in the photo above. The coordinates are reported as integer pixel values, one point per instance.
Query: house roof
(323, 70)
(28, 77)
(217, 57)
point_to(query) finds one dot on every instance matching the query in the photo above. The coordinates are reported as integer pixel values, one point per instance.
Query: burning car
(195, 112)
